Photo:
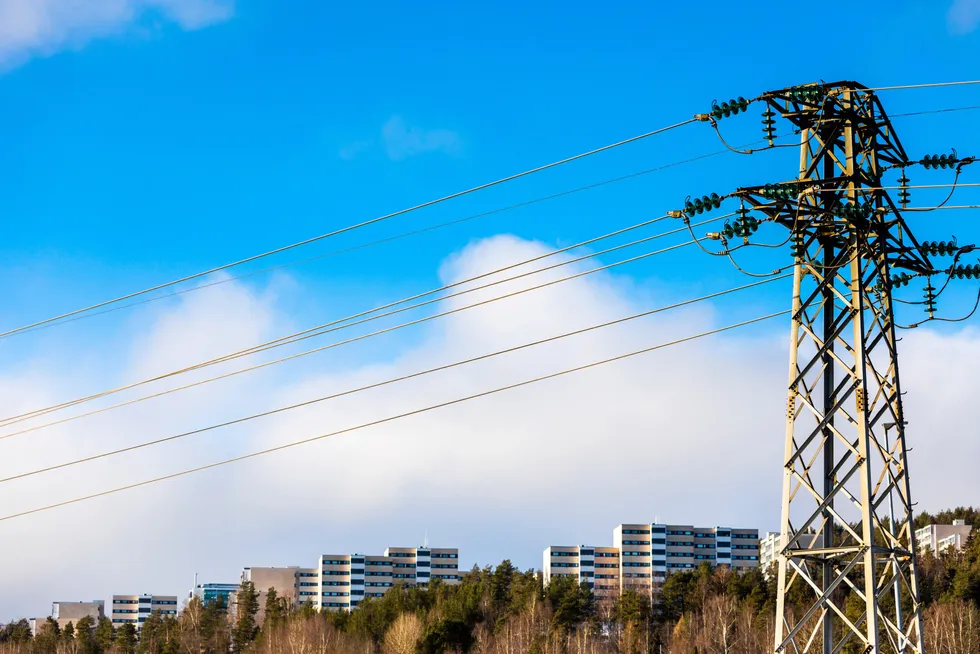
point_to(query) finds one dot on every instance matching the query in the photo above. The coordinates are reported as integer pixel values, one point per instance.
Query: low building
(211, 592)
(65, 613)
(938, 538)
(135, 609)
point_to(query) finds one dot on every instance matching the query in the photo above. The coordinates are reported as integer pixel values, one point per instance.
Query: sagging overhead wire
(393, 418)
(935, 111)
(364, 336)
(388, 239)
(350, 228)
(402, 378)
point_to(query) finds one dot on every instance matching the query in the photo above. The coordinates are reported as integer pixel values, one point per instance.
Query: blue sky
(148, 139)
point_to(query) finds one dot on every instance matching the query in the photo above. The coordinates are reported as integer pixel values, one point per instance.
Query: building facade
(770, 546)
(65, 613)
(211, 593)
(939, 538)
(135, 609)
(643, 554)
(341, 581)
(597, 567)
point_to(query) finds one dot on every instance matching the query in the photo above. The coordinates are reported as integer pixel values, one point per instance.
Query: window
(333, 562)
(356, 582)
(357, 559)
(659, 541)
(614, 555)
(587, 564)
(422, 564)
(724, 555)
(587, 552)
(423, 552)
(357, 571)
(421, 573)
(723, 534)
(636, 542)
(588, 573)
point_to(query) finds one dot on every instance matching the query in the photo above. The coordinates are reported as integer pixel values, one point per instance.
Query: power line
(337, 325)
(349, 228)
(349, 340)
(389, 239)
(935, 111)
(414, 375)
(407, 414)
(922, 86)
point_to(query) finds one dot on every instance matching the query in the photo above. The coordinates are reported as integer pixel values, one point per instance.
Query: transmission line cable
(359, 337)
(934, 111)
(389, 239)
(344, 323)
(392, 418)
(921, 86)
(402, 378)
(349, 228)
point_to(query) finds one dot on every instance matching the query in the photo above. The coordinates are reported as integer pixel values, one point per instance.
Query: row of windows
(636, 531)
(681, 543)
(401, 555)
(598, 576)
(333, 562)
(337, 573)
(745, 535)
(357, 559)
(115, 601)
(636, 542)
(336, 594)
(305, 574)
(587, 552)
(564, 565)
(606, 587)
(705, 556)
(679, 565)
(564, 554)
(588, 564)
(724, 555)
(614, 555)
(635, 564)
(336, 583)
(679, 533)
(124, 611)
(586, 573)
(307, 583)
(378, 584)
(446, 566)
(746, 558)
(745, 547)
(444, 556)
(123, 620)
(607, 565)
(637, 575)
(377, 574)
(403, 576)
(636, 553)
(448, 577)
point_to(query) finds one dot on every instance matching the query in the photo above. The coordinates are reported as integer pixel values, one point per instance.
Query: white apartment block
(939, 538)
(598, 567)
(135, 609)
(342, 581)
(773, 543)
(643, 554)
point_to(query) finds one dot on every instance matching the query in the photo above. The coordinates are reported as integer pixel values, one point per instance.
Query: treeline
(503, 610)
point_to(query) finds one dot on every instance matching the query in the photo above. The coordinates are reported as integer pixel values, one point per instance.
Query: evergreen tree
(85, 636)
(245, 629)
(105, 634)
(276, 610)
(68, 636)
(126, 638)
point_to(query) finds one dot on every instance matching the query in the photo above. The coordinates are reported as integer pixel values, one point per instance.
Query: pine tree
(105, 634)
(245, 629)
(126, 638)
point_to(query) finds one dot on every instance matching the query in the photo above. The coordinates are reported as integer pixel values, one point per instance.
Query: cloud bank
(30, 28)
(691, 434)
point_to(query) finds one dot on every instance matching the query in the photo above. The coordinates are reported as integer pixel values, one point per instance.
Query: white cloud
(503, 476)
(963, 16)
(41, 27)
(402, 141)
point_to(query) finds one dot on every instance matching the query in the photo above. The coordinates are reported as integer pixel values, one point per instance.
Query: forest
(502, 610)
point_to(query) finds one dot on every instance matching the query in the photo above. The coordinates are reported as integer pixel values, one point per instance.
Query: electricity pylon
(846, 502)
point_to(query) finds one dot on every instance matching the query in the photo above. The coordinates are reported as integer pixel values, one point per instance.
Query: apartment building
(342, 581)
(643, 554)
(65, 613)
(598, 567)
(135, 609)
(773, 543)
(939, 538)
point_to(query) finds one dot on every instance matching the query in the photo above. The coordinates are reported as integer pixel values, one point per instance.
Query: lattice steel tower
(846, 502)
